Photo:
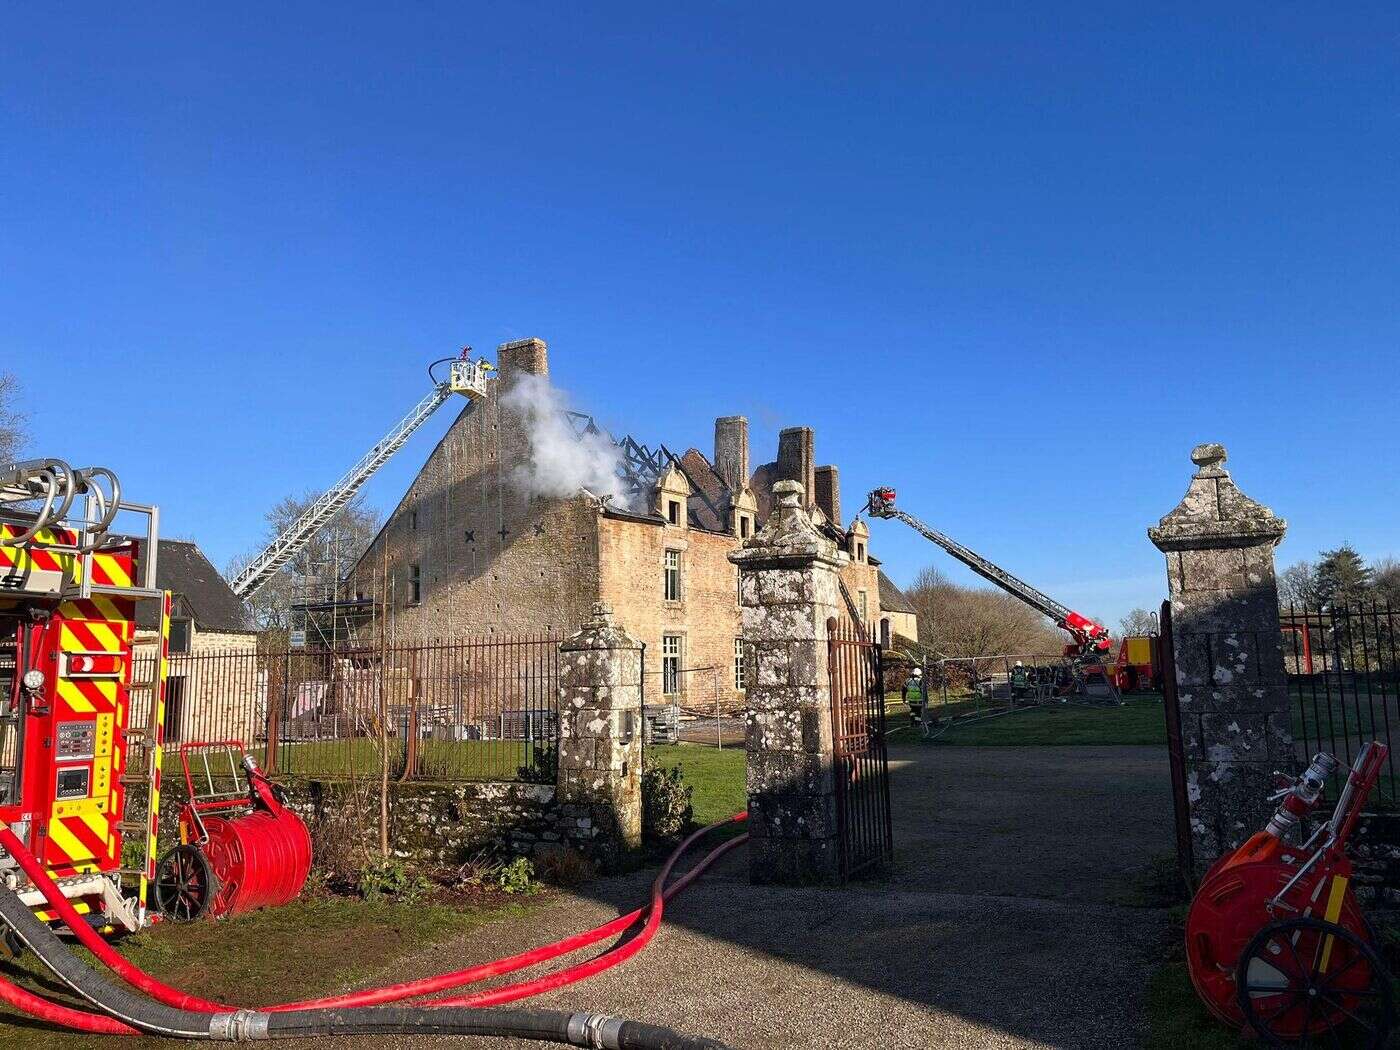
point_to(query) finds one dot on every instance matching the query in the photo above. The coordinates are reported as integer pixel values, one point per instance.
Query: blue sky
(1014, 261)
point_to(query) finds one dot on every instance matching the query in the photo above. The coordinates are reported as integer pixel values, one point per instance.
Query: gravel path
(1003, 923)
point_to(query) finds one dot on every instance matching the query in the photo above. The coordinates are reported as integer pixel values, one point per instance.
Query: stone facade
(466, 551)
(790, 591)
(1232, 692)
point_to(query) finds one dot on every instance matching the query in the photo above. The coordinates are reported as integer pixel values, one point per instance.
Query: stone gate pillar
(600, 730)
(789, 591)
(1231, 688)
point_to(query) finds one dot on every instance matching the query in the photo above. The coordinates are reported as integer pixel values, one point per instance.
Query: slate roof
(201, 593)
(892, 598)
(709, 509)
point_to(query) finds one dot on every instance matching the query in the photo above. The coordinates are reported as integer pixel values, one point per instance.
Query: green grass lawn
(314, 946)
(360, 757)
(716, 777)
(1140, 720)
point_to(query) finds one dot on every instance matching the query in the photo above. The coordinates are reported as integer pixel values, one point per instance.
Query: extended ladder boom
(467, 378)
(1090, 637)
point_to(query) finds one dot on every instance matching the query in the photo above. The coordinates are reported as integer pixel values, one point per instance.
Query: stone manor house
(469, 550)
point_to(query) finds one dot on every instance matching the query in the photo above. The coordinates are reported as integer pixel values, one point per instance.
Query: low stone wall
(1375, 850)
(446, 824)
(432, 824)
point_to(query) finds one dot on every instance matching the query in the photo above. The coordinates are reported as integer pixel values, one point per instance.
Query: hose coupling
(598, 1031)
(240, 1026)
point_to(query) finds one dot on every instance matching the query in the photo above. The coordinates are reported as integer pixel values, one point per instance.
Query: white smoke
(560, 461)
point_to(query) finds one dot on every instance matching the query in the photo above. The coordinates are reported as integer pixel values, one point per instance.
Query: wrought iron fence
(1343, 669)
(468, 709)
(209, 696)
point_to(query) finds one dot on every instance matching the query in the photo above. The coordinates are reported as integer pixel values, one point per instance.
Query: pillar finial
(1211, 454)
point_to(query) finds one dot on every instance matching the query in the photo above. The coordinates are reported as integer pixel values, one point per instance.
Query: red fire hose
(484, 971)
(523, 990)
(89, 1022)
(55, 1013)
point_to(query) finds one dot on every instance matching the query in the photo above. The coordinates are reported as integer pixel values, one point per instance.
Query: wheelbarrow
(1276, 943)
(240, 847)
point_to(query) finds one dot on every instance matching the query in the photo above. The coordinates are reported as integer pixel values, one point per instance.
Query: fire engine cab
(79, 740)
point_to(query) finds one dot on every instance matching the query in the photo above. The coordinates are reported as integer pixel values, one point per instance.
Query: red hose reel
(240, 847)
(1276, 943)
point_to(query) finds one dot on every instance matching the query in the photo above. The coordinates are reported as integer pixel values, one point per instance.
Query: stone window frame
(415, 583)
(673, 511)
(667, 591)
(741, 667)
(745, 526)
(860, 551)
(671, 662)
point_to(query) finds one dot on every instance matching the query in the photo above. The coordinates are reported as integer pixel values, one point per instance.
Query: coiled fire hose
(177, 1013)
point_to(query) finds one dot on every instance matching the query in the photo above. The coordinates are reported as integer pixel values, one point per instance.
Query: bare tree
(977, 621)
(316, 570)
(1385, 581)
(12, 435)
(1137, 622)
(1297, 584)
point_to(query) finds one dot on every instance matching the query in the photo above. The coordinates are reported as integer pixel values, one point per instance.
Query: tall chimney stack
(521, 356)
(732, 451)
(797, 460)
(829, 493)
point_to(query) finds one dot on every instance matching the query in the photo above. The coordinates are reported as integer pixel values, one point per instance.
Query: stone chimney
(797, 460)
(732, 451)
(514, 360)
(523, 355)
(828, 498)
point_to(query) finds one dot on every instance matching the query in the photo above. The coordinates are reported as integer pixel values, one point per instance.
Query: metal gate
(861, 763)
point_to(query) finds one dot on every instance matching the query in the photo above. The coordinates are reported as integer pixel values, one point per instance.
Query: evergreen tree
(1342, 578)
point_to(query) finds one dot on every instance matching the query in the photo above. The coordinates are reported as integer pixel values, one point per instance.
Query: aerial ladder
(465, 376)
(1091, 641)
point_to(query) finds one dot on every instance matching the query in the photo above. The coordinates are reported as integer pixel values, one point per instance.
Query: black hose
(559, 1026)
(443, 361)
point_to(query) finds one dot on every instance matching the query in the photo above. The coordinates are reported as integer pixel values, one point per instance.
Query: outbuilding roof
(892, 599)
(200, 591)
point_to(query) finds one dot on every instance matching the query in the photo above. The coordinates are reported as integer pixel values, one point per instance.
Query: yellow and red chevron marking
(95, 625)
(157, 753)
(111, 570)
(83, 834)
(82, 907)
(37, 553)
(51, 550)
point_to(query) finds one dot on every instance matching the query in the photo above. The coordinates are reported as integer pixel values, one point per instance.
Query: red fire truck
(80, 741)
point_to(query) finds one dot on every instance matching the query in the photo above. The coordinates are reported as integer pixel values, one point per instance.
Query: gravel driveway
(1004, 923)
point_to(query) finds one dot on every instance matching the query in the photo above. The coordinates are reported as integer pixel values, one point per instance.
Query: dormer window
(860, 551)
(744, 526)
(673, 511)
